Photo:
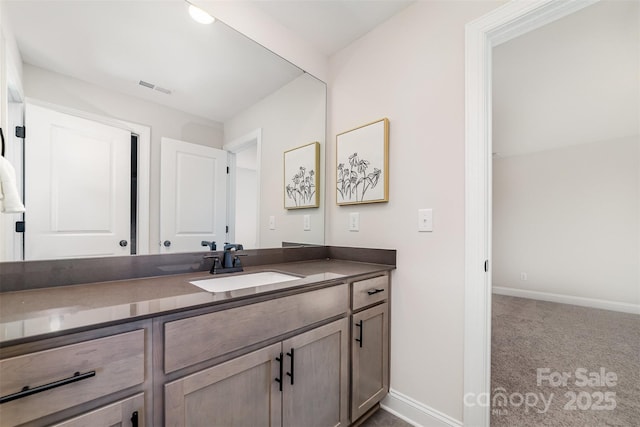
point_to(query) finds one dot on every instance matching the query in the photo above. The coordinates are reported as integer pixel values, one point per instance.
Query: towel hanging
(9, 198)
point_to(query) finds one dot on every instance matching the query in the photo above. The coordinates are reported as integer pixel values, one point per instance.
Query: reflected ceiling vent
(163, 90)
(152, 86)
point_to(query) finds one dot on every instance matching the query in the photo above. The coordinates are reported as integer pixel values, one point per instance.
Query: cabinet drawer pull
(279, 379)
(374, 291)
(134, 419)
(291, 354)
(26, 391)
(359, 325)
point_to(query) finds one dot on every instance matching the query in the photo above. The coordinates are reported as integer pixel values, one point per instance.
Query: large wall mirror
(147, 132)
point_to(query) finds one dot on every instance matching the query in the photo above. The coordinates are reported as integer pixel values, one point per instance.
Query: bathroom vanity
(161, 351)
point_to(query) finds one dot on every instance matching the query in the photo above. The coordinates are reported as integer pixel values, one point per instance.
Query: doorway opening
(244, 189)
(481, 35)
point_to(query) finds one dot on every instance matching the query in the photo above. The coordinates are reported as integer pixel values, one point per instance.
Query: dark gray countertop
(39, 313)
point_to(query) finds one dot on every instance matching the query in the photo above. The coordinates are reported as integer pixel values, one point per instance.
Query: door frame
(233, 147)
(144, 162)
(481, 36)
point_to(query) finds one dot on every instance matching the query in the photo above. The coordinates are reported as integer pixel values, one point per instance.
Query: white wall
(246, 207)
(164, 122)
(570, 218)
(291, 117)
(411, 70)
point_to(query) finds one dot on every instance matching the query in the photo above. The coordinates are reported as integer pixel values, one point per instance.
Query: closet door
(77, 186)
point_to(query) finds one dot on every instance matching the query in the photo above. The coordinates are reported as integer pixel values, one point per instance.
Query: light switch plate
(354, 221)
(307, 222)
(272, 223)
(425, 220)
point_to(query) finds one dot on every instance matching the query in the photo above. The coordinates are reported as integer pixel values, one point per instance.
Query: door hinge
(486, 266)
(21, 131)
(226, 228)
(19, 226)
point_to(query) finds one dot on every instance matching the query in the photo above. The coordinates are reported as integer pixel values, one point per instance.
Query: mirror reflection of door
(244, 189)
(193, 184)
(77, 183)
(246, 200)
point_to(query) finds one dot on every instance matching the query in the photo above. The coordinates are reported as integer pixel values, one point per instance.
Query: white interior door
(77, 186)
(193, 199)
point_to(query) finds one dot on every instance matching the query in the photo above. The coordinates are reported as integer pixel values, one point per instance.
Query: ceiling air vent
(163, 90)
(145, 84)
(152, 86)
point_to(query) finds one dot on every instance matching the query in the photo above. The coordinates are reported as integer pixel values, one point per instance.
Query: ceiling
(330, 26)
(574, 81)
(212, 71)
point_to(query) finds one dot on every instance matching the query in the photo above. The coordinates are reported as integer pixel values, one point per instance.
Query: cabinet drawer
(120, 413)
(106, 365)
(199, 338)
(370, 291)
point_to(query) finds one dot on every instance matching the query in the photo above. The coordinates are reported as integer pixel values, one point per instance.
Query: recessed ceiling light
(200, 15)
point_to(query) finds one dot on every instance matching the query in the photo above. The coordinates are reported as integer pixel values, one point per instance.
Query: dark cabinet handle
(291, 354)
(279, 380)
(27, 391)
(374, 291)
(123, 243)
(134, 419)
(359, 325)
(166, 243)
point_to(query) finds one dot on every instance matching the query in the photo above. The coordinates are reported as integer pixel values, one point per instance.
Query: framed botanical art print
(301, 177)
(362, 164)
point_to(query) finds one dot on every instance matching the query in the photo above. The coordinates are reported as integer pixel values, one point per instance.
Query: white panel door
(193, 196)
(77, 186)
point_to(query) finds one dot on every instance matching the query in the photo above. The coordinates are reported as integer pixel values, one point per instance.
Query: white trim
(602, 304)
(144, 162)
(502, 24)
(416, 413)
(233, 147)
(13, 242)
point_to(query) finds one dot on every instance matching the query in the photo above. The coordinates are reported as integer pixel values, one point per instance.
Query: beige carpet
(567, 348)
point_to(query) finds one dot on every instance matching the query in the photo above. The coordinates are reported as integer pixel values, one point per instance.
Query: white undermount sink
(242, 281)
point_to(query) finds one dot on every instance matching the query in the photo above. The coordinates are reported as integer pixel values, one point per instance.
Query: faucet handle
(216, 263)
(211, 244)
(236, 260)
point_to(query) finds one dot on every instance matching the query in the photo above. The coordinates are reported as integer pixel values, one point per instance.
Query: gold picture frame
(362, 164)
(302, 177)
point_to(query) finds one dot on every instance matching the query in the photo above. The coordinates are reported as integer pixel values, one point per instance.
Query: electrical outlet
(307, 222)
(523, 276)
(425, 220)
(354, 221)
(272, 222)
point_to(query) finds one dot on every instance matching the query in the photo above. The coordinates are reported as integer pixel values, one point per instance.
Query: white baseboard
(568, 299)
(416, 413)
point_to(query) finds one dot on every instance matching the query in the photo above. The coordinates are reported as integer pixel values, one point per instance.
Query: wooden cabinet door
(370, 358)
(127, 412)
(316, 380)
(241, 393)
